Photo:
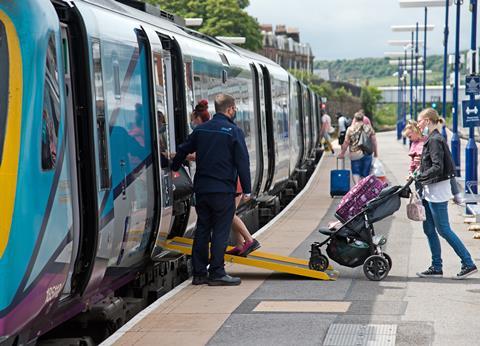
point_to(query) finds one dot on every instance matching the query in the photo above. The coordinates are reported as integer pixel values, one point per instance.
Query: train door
(270, 140)
(126, 180)
(301, 123)
(73, 248)
(162, 122)
(260, 122)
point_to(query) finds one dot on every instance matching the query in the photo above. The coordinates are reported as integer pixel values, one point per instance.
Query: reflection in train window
(51, 109)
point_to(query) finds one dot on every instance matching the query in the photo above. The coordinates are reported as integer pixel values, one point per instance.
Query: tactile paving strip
(361, 335)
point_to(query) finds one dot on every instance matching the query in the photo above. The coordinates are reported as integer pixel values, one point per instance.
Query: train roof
(169, 25)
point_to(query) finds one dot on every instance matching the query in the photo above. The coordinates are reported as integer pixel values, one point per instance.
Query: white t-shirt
(342, 124)
(438, 192)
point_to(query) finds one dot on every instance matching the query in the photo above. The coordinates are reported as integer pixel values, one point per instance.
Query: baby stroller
(354, 242)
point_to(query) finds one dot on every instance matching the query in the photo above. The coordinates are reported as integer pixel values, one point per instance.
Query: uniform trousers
(215, 214)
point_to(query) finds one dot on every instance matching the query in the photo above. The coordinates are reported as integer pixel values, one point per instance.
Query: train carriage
(96, 95)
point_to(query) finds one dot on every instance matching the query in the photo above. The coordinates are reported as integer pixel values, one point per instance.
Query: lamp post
(471, 153)
(399, 74)
(425, 4)
(408, 45)
(416, 29)
(455, 144)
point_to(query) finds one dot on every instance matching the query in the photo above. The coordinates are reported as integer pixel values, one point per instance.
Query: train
(94, 97)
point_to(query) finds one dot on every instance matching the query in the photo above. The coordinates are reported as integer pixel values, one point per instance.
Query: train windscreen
(4, 81)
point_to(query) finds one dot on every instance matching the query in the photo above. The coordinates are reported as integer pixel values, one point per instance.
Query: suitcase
(339, 180)
(352, 203)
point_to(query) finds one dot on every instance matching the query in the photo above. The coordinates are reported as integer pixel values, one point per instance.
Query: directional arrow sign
(472, 85)
(471, 113)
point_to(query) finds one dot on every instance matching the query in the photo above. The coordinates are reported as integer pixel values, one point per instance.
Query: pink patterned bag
(415, 209)
(352, 203)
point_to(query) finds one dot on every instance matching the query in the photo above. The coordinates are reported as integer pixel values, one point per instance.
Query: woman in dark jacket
(436, 169)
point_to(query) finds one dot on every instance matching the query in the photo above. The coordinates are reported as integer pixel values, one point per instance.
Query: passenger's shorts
(341, 137)
(362, 166)
(326, 136)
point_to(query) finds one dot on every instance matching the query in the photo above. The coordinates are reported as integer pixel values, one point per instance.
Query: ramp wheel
(376, 268)
(318, 263)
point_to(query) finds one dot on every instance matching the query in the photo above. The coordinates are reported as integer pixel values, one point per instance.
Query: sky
(343, 29)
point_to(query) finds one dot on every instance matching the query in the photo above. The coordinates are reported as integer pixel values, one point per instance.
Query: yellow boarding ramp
(260, 259)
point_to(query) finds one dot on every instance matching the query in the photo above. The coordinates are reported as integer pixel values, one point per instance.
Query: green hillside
(377, 70)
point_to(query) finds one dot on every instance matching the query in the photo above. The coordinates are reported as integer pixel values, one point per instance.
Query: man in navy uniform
(221, 157)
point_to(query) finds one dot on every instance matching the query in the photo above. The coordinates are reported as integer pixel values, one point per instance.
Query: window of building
(51, 109)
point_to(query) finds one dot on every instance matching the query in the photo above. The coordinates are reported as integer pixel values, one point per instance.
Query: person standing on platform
(436, 169)
(326, 130)
(342, 127)
(221, 157)
(361, 162)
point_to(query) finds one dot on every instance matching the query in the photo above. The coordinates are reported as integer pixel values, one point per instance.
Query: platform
(278, 309)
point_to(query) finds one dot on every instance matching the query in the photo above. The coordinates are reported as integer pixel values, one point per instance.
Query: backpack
(365, 142)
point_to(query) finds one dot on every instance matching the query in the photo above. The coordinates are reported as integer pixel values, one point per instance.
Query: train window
(189, 85)
(51, 109)
(100, 116)
(162, 119)
(224, 59)
(4, 82)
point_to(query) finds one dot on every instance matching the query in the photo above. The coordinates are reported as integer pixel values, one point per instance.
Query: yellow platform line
(265, 260)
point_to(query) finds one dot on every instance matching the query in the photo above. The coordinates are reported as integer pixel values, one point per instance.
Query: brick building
(283, 46)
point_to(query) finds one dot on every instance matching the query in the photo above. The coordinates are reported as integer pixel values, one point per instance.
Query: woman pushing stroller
(436, 170)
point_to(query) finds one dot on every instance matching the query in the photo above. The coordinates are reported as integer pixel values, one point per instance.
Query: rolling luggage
(339, 180)
(352, 203)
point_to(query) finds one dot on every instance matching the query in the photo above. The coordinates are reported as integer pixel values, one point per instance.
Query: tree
(220, 18)
(370, 96)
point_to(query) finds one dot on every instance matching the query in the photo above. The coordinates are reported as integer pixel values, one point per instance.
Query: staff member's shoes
(249, 247)
(225, 280)
(200, 280)
(465, 272)
(235, 251)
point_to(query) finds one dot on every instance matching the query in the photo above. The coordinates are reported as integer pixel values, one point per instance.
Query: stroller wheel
(389, 260)
(318, 263)
(376, 268)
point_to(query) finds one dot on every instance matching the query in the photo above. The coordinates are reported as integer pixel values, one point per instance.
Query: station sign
(472, 85)
(471, 113)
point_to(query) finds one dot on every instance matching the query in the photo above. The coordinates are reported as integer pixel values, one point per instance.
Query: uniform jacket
(437, 163)
(221, 156)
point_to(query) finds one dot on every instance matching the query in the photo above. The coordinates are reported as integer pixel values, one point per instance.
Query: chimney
(281, 29)
(294, 33)
(266, 27)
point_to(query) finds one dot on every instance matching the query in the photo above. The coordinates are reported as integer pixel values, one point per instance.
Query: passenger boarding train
(94, 97)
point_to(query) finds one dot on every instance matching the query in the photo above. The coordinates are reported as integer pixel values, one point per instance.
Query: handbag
(365, 142)
(182, 183)
(415, 208)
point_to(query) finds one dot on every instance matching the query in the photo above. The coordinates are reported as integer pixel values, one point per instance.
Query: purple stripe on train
(46, 290)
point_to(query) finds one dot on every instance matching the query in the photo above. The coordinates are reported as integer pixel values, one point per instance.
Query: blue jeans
(437, 224)
(362, 166)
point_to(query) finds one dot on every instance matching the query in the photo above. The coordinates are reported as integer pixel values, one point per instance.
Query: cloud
(356, 28)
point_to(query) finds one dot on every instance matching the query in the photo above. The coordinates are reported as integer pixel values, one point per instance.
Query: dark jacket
(437, 163)
(221, 156)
